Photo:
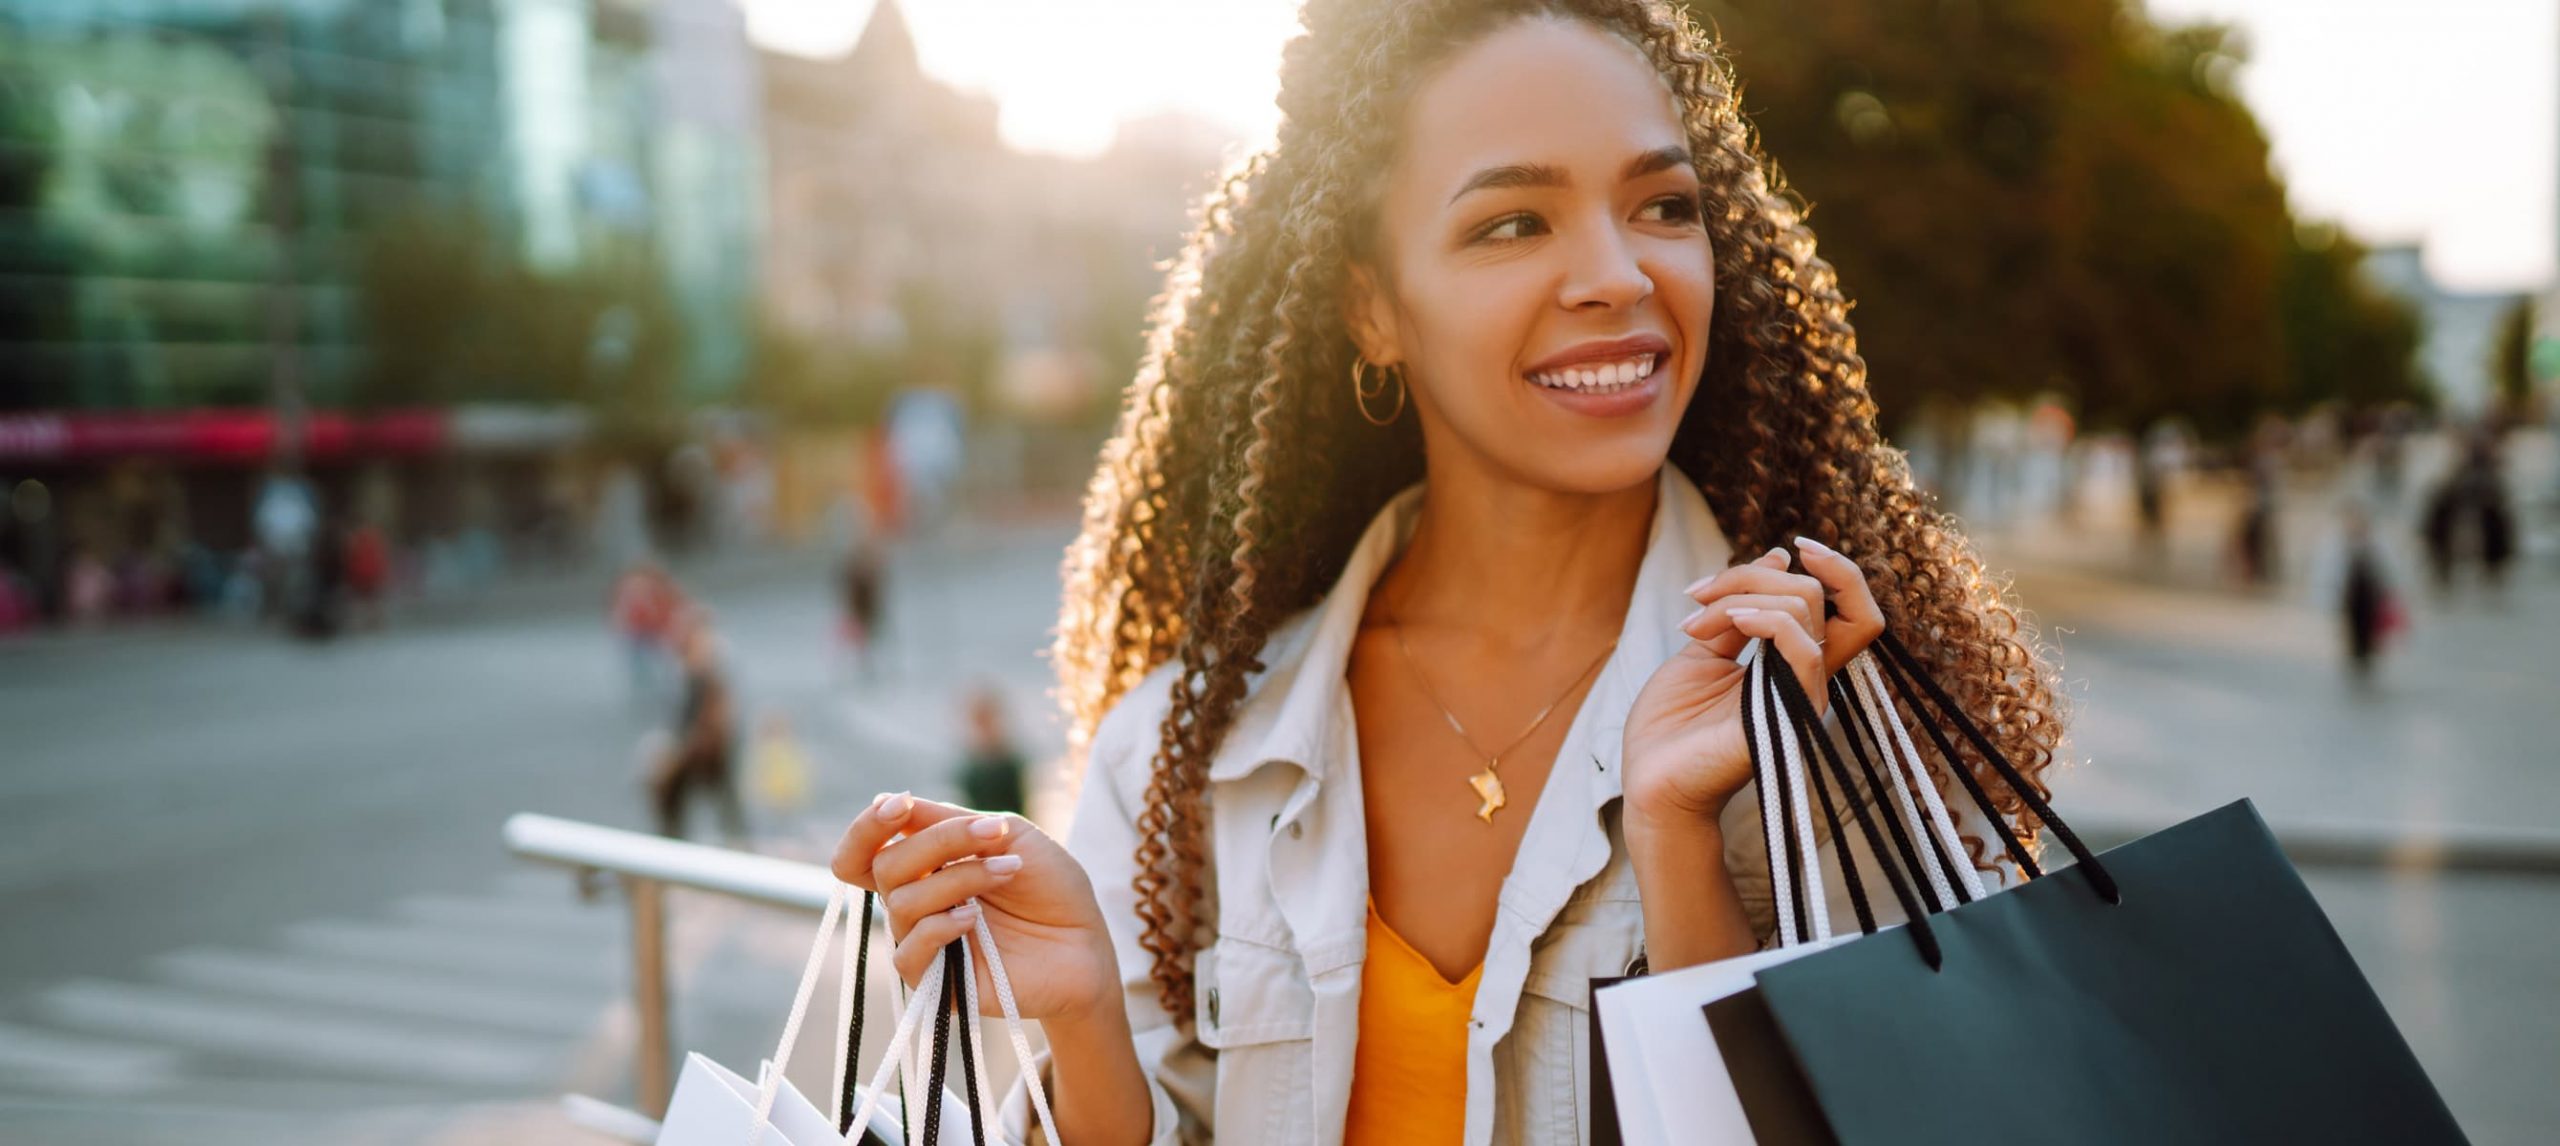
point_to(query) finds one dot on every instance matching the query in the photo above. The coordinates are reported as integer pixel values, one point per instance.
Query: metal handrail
(582, 846)
(646, 866)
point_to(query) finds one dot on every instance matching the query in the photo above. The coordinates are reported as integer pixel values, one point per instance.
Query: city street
(256, 890)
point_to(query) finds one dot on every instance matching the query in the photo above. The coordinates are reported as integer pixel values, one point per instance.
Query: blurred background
(668, 414)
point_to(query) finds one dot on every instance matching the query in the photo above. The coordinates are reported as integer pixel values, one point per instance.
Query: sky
(2427, 121)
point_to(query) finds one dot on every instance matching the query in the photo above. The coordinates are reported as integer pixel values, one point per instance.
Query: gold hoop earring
(1362, 391)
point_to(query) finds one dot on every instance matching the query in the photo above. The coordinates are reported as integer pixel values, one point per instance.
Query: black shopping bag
(2183, 988)
(2211, 1003)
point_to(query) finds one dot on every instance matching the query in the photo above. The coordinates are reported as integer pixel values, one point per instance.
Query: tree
(2026, 196)
(2346, 342)
(2511, 366)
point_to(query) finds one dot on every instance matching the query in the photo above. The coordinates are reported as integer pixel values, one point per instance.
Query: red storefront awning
(236, 436)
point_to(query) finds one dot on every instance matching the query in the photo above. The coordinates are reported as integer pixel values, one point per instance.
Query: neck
(1520, 566)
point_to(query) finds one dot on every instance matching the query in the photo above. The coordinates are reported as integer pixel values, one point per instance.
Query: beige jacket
(1278, 992)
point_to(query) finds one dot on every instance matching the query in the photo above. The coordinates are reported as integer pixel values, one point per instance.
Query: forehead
(1542, 90)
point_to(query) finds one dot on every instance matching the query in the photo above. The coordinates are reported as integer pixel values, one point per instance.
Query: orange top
(1409, 1072)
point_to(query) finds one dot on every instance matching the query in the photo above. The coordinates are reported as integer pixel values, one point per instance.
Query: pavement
(256, 891)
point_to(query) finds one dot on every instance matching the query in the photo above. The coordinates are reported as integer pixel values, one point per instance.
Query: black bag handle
(954, 1000)
(1790, 694)
(1906, 669)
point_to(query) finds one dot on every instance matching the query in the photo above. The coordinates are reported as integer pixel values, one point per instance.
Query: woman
(1401, 634)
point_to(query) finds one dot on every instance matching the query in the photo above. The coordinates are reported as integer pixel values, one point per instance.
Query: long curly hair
(1241, 475)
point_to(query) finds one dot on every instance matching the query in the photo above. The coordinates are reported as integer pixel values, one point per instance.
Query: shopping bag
(1661, 1067)
(713, 1106)
(2184, 987)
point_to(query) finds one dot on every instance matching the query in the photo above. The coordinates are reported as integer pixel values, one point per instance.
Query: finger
(922, 944)
(888, 815)
(1723, 606)
(1860, 620)
(1755, 578)
(940, 891)
(928, 850)
(1802, 655)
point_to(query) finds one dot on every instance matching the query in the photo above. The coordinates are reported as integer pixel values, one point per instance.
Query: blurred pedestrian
(858, 584)
(2371, 610)
(779, 768)
(368, 575)
(321, 607)
(89, 587)
(990, 767)
(698, 757)
(645, 604)
(2470, 518)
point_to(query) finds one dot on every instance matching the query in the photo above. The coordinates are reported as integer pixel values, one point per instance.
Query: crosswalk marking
(509, 958)
(95, 1066)
(327, 1044)
(299, 978)
(563, 921)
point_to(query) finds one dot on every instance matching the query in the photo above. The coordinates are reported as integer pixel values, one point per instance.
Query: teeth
(1604, 376)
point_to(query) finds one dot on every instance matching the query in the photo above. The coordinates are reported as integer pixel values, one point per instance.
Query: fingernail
(1774, 551)
(965, 913)
(1814, 545)
(1698, 586)
(1693, 618)
(896, 806)
(1004, 865)
(988, 827)
(1741, 611)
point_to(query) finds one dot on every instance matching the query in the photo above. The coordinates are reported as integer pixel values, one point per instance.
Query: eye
(1509, 228)
(1676, 209)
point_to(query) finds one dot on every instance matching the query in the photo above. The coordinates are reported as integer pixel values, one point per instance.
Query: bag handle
(1791, 697)
(1795, 862)
(1907, 669)
(949, 984)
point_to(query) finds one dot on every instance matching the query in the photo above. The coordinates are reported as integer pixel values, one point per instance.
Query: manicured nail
(988, 827)
(1814, 545)
(896, 806)
(1693, 618)
(965, 913)
(1741, 611)
(1698, 586)
(1003, 865)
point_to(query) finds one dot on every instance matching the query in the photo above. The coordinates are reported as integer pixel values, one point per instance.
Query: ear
(1370, 313)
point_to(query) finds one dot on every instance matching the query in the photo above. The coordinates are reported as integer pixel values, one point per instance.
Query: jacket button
(1213, 1006)
(1297, 830)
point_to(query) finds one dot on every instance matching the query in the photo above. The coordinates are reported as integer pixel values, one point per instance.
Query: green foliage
(2348, 342)
(2028, 196)
(2511, 363)
(453, 316)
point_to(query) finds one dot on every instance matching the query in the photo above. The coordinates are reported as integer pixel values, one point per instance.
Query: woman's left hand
(1684, 756)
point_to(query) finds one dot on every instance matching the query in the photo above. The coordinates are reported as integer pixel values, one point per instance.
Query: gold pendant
(1488, 789)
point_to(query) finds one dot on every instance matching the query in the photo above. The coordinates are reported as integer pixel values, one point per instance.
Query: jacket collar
(1291, 715)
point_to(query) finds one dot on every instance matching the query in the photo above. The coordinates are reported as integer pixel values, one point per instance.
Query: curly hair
(1240, 475)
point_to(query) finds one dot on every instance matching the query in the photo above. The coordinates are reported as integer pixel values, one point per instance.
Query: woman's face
(1548, 276)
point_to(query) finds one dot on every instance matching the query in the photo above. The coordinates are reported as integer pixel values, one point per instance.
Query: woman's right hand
(927, 859)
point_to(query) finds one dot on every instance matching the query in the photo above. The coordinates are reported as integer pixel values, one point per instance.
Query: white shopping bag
(714, 1106)
(1664, 1067)
(1666, 1073)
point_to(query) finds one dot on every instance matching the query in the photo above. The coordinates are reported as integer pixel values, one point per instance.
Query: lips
(1593, 353)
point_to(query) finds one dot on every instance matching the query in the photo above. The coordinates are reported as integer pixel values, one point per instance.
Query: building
(2459, 348)
(190, 192)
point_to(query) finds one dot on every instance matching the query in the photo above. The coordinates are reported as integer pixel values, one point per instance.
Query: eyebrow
(1549, 175)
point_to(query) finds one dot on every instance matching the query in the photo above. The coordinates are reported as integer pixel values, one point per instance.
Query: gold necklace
(1488, 783)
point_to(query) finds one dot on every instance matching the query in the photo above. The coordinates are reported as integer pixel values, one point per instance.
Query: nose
(1604, 272)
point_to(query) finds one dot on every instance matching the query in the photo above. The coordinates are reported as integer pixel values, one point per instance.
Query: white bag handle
(926, 997)
(1790, 756)
(1900, 757)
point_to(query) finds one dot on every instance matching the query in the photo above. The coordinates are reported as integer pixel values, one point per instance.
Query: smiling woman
(1489, 414)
